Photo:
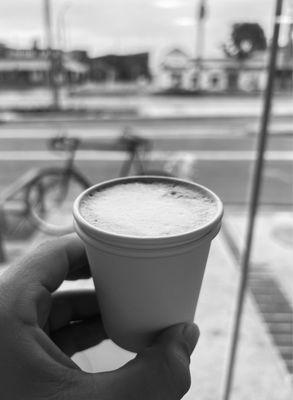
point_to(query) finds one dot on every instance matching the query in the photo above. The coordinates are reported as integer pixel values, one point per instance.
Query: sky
(127, 26)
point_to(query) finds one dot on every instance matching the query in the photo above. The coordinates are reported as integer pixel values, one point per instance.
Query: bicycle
(52, 186)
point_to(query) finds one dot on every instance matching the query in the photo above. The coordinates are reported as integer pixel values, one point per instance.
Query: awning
(24, 65)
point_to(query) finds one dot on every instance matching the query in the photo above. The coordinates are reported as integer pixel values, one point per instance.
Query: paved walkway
(260, 374)
(273, 242)
(149, 106)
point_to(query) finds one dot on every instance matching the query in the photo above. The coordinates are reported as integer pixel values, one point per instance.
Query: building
(180, 73)
(121, 68)
(31, 67)
(176, 71)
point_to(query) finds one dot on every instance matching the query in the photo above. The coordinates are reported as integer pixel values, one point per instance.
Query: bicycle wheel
(49, 200)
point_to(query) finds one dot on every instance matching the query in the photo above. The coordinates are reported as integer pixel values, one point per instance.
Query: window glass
(186, 81)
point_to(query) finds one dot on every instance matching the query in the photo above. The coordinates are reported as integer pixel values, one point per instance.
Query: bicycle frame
(136, 159)
(55, 183)
(70, 170)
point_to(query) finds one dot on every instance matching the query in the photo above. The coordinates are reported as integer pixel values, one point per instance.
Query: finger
(72, 306)
(52, 261)
(79, 336)
(160, 372)
(180, 335)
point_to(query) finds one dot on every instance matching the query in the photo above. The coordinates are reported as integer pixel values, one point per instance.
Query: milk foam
(147, 209)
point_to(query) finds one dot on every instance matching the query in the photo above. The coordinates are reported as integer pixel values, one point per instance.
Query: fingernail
(191, 335)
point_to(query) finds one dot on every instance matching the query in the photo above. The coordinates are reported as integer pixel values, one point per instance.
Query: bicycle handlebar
(126, 142)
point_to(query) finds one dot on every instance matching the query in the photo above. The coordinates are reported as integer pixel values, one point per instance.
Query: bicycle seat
(133, 141)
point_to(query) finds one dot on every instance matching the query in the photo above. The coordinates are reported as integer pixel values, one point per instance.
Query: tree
(245, 38)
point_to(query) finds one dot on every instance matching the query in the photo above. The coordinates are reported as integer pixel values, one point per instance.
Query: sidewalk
(260, 373)
(35, 105)
(273, 242)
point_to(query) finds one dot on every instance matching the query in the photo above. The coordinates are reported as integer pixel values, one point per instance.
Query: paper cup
(145, 285)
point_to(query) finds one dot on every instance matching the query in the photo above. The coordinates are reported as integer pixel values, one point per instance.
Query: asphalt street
(220, 152)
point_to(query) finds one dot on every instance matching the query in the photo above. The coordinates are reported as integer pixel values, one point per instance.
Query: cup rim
(111, 237)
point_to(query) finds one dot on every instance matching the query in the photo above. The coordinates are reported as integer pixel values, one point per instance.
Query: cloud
(123, 25)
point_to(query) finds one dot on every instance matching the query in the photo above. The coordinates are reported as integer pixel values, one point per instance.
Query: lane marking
(44, 133)
(104, 134)
(214, 132)
(118, 155)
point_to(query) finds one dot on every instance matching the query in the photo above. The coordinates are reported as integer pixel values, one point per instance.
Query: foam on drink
(148, 209)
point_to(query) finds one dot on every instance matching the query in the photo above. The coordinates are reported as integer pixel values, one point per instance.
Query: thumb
(160, 372)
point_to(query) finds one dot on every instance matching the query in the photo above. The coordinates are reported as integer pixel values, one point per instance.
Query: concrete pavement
(150, 106)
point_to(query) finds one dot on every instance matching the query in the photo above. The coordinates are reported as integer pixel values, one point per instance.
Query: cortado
(148, 209)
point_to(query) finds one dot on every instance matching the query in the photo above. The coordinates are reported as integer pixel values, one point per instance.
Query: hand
(41, 329)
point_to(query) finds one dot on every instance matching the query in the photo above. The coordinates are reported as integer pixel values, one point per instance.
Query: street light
(62, 38)
(199, 44)
(61, 26)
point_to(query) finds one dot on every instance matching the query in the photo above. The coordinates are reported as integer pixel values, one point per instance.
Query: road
(220, 151)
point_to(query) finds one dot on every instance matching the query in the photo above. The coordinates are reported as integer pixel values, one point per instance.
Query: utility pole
(200, 37)
(289, 43)
(62, 42)
(51, 57)
(254, 201)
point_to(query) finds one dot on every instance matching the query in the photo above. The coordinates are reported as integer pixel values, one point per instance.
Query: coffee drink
(153, 209)
(147, 241)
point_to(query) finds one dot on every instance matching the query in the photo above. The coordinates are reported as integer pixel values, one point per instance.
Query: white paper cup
(144, 285)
